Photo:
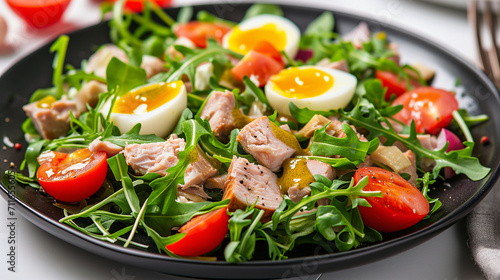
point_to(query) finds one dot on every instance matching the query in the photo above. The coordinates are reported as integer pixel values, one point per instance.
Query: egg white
(160, 121)
(291, 30)
(338, 96)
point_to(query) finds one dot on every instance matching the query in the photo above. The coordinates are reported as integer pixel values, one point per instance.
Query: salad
(212, 137)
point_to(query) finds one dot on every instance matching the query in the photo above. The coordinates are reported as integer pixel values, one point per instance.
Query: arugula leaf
(208, 17)
(252, 93)
(462, 161)
(349, 146)
(31, 156)
(425, 181)
(185, 14)
(318, 34)
(375, 94)
(201, 130)
(133, 137)
(304, 115)
(119, 167)
(123, 77)
(60, 47)
(260, 9)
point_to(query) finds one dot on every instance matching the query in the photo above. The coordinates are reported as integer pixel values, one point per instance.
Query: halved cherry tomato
(401, 206)
(39, 13)
(259, 65)
(203, 234)
(431, 109)
(394, 84)
(138, 5)
(264, 47)
(72, 177)
(199, 32)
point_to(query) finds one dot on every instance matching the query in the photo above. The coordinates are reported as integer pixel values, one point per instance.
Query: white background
(445, 257)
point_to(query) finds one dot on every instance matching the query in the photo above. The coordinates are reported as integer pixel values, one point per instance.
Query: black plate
(477, 94)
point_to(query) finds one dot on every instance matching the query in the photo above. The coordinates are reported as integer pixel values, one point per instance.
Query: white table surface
(42, 256)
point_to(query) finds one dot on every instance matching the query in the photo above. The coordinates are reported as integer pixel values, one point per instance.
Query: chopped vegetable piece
(203, 234)
(401, 206)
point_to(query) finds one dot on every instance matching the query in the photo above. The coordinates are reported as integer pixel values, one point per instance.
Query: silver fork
(484, 16)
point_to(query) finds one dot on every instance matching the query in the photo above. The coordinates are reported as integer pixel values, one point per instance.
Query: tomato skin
(39, 14)
(394, 84)
(138, 5)
(199, 32)
(259, 65)
(402, 205)
(203, 234)
(431, 109)
(73, 177)
(266, 48)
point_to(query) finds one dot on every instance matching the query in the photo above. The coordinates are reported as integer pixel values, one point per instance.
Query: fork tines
(484, 16)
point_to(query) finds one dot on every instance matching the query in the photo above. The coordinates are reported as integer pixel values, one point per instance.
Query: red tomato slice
(402, 205)
(203, 234)
(72, 177)
(199, 32)
(264, 47)
(431, 109)
(393, 83)
(138, 5)
(39, 13)
(259, 65)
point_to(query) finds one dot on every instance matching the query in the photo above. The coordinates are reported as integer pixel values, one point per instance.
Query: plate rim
(427, 232)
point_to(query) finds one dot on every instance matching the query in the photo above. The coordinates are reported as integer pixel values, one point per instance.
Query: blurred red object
(39, 13)
(138, 5)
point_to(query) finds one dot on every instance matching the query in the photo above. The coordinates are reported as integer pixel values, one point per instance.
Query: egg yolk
(302, 83)
(147, 98)
(243, 41)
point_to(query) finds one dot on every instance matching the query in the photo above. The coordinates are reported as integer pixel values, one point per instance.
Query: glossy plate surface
(476, 93)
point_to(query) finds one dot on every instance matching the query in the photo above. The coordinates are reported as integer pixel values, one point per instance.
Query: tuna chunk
(338, 65)
(412, 169)
(428, 141)
(317, 122)
(154, 157)
(315, 167)
(359, 35)
(198, 171)
(53, 121)
(89, 95)
(249, 183)
(152, 65)
(218, 111)
(105, 146)
(99, 61)
(258, 139)
(216, 182)
(158, 157)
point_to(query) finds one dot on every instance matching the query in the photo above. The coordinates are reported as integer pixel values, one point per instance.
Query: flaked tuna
(105, 146)
(258, 139)
(89, 95)
(51, 119)
(158, 157)
(99, 61)
(198, 171)
(219, 111)
(296, 192)
(154, 157)
(216, 182)
(248, 183)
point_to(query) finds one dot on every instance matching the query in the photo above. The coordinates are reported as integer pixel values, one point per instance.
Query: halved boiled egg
(317, 88)
(283, 34)
(157, 107)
